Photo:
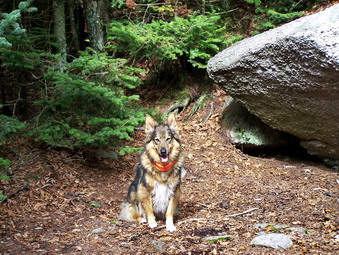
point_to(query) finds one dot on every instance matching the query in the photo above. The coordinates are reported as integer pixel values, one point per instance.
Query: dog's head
(163, 141)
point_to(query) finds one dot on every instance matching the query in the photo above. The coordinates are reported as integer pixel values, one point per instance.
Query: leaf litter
(59, 199)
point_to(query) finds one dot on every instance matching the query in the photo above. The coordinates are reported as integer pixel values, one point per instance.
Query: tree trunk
(75, 38)
(60, 30)
(94, 23)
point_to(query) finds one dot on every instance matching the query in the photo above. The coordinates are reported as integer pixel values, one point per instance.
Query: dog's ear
(150, 124)
(171, 122)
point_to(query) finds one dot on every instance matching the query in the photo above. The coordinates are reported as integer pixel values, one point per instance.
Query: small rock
(261, 233)
(224, 204)
(159, 245)
(217, 238)
(297, 229)
(261, 225)
(275, 241)
(97, 231)
(336, 238)
(107, 154)
(280, 226)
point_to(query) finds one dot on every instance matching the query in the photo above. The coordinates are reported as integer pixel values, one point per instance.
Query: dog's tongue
(164, 159)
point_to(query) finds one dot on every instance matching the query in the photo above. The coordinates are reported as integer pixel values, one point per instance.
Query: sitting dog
(155, 191)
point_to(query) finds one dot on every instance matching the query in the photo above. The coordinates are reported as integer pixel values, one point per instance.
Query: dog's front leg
(148, 208)
(172, 206)
(145, 199)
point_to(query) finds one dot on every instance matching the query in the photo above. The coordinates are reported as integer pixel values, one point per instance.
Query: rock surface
(275, 241)
(289, 78)
(248, 131)
(217, 238)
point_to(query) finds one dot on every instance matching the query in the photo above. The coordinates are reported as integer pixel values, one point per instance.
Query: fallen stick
(204, 219)
(238, 214)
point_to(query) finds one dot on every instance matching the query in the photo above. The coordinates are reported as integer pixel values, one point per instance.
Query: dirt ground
(67, 203)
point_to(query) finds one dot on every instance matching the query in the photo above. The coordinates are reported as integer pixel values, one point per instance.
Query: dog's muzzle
(163, 155)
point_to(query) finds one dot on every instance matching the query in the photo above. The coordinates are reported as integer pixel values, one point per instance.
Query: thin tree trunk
(60, 30)
(74, 31)
(94, 24)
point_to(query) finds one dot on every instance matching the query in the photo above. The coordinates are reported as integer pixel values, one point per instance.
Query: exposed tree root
(196, 106)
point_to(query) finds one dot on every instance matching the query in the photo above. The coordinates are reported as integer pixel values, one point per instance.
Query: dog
(155, 190)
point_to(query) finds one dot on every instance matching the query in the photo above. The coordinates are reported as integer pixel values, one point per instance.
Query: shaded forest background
(72, 71)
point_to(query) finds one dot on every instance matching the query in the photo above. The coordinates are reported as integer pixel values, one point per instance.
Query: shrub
(272, 13)
(87, 105)
(8, 128)
(195, 39)
(9, 24)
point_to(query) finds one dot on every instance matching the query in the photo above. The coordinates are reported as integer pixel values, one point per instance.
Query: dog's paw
(171, 227)
(152, 224)
(183, 172)
(142, 220)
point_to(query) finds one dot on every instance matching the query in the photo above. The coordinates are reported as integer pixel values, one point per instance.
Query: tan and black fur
(155, 193)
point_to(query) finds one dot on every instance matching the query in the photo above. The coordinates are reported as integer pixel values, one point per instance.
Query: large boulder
(289, 78)
(249, 132)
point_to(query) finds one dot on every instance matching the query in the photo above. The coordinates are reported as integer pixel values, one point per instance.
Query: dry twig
(204, 219)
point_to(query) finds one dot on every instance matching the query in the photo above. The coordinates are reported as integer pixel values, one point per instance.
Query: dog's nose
(163, 151)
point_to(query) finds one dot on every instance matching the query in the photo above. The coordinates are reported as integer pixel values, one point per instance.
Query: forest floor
(65, 203)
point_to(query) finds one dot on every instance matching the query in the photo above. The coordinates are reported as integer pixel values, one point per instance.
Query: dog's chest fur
(161, 196)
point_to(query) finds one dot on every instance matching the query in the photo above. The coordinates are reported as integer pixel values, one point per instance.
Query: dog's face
(162, 141)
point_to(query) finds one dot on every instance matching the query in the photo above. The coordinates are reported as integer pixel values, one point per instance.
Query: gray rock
(107, 154)
(261, 225)
(217, 238)
(247, 130)
(280, 226)
(298, 229)
(160, 246)
(289, 78)
(275, 241)
(97, 231)
(224, 204)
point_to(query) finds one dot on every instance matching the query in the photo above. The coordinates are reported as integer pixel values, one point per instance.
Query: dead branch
(242, 213)
(210, 113)
(204, 219)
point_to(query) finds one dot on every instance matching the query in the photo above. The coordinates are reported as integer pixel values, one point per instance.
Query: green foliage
(87, 105)
(9, 127)
(128, 149)
(95, 204)
(28, 51)
(4, 163)
(9, 24)
(2, 196)
(20, 56)
(256, 3)
(273, 12)
(196, 39)
(278, 18)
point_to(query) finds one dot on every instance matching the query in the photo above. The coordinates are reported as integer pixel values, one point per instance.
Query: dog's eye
(168, 140)
(157, 141)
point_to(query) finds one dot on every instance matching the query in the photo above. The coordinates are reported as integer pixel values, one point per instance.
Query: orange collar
(164, 168)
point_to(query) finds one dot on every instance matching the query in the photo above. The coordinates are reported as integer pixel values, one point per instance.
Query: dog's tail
(126, 212)
(132, 212)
